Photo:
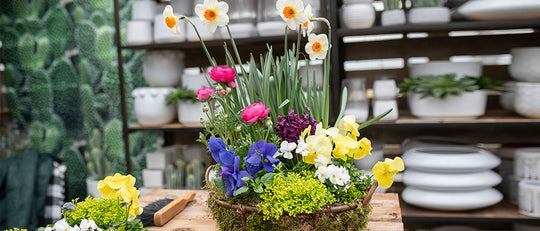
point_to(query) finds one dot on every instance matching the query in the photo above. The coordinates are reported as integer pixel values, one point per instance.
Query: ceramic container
(153, 178)
(451, 159)
(139, 32)
(507, 98)
(150, 107)
(529, 198)
(451, 181)
(384, 89)
(205, 34)
(467, 106)
(527, 163)
(428, 15)
(433, 141)
(524, 66)
(189, 112)
(159, 159)
(143, 10)
(461, 69)
(380, 106)
(242, 11)
(315, 68)
(163, 35)
(182, 7)
(356, 16)
(357, 100)
(527, 99)
(271, 28)
(240, 30)
(163, 68)
(451, 200)
(393, 17)
(91, 188)
(193, 79)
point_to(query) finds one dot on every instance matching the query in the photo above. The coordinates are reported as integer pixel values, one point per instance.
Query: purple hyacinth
(261, 155)
(290, 126)
(232, 176)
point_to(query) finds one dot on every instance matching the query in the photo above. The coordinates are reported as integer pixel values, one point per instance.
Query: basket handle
(367, 199)
(208, 172)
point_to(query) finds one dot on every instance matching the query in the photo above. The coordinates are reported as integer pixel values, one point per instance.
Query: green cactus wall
(62, 81)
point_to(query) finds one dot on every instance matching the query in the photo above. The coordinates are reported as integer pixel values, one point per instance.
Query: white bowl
(428, 15)
(451, 159)
(163, 35)
(527, 99)
(524, 66)
(139, 32)
(150, 107)
(143, 10)
(271, 28)
(393, 17)
(467, 106)
(451, 181)
(190, 112)
(461, 69)
(355, 16)
(239, 30)
(451, 201)
(163, 68)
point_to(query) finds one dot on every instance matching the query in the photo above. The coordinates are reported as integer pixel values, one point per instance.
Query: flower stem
(212, 61)
(238, 59)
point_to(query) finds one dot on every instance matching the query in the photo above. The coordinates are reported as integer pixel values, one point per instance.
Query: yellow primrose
(348, 126)
(344, 146)
(171, 21)
(213, 14)
(384, 171)
(307, 27)
(318, 145)
(317, 46)
(292, 12)
(364, 149)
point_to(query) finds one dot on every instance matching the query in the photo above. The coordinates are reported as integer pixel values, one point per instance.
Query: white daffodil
(317, 46)
(302, 147)
(213, 14)
(292, 12)
(307, 27)
(171, 21)
(285, 150)
(89, 225)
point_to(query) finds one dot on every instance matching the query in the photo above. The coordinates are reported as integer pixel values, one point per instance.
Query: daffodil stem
(212, 61)
(239, 60)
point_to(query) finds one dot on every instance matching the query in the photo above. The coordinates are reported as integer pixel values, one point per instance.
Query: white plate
(500, 9)
(449, 159)
(451, 201)
(451, 181)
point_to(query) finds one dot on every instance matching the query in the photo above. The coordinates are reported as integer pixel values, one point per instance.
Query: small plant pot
(429, 15)
(163, 68)
(190, 112)
(139, 33)
(91, 188)
(150, 107)
(461, 69)
(153, 178)
(527, 99)
(467, 106)
(393, 17)
(359, 15)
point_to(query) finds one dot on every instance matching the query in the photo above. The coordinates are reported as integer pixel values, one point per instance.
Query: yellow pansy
(108, 187)
(171, 21)
(318, 145)
(348, 126)
(364, 149)
(384, 171)
(292, 12)
(306, 132)
(213, 14)
(317, 46)
(344, 146)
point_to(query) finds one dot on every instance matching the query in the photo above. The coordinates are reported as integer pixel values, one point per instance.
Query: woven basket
(241, 210)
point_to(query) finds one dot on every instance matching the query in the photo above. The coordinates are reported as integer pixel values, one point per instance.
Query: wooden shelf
(452, 26)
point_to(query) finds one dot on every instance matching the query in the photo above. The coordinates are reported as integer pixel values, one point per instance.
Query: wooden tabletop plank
(385, 216)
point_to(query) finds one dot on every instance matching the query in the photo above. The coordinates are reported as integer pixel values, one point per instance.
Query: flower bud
(204, 109)
(239, 128)
(229, 90)
(269, 123)
(217, 105)
(219, 88)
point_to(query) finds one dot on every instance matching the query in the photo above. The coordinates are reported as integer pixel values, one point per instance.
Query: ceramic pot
(467, 106)
(315, 68)
(380, 106)
(529, 194)
(193, 79)
(150, 107)
(461, 69)
(190, 112)
(451, 159)
(527, 163)
(163, 68)
(143, 10)
(428, 15)
(240, 30)
(393, 17)
(451, 200)
(356, 16)
(271, 28)
(163, 35)
(91, 188)
(527, 99)
(385, 89)
(507, 98)
(153, 178)
(524, 66)
(139, 32)
(451, 181)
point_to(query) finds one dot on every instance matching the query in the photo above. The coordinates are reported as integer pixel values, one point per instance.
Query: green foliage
(104, 45)
(45, 137)
(98, 165)
(293, 194)
(66, 96)
(98, 19)
(441, 86)
(391, 4)
(426, 3)
(26, 51)
(13, 142)
(75, 173)
(181, 94)
(42, 52)
(113, 138)
(58, 27)
(39, 90)
(103, 211)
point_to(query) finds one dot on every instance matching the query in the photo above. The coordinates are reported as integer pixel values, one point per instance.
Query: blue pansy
(261, 155)
(232, 176)
(219, 151)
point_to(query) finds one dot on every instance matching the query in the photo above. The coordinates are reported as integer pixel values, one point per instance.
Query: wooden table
(386, 214)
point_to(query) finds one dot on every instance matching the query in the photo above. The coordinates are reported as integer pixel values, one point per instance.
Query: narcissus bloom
(317, 46)
(213, 14)
(171, 21)
(292, 12)
(307, 27)
(384, 171)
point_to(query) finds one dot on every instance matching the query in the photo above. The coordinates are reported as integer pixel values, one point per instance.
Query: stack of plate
(450, 178)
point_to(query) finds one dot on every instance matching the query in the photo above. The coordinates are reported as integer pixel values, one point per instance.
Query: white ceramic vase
(529, 198)
(91, 188)
(139, 32)
(524, 66)
(358, 15)
(467, 106)
(428, 15)
(153, 178)
(527, 99)
(527, 163)
(190, 112)
(150, 107)
(393, 17)
(163, 68)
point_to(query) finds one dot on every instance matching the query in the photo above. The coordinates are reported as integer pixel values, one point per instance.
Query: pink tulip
(223, 75)
(204, 94)
(254, 112)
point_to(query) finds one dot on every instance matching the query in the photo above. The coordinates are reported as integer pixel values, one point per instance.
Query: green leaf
(268, 178)
(241, 191)
(258, 188)
(220, 184)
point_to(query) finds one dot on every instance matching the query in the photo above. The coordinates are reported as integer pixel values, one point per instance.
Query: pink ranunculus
(254, 112)
(204, 94)
(223, 75)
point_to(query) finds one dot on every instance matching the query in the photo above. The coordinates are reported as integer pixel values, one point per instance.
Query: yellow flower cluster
(123, 187)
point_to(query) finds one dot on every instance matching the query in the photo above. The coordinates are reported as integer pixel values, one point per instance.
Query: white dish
(449, 159)
(500, 9)
(451, 181)
(432, 141)
(451, 201)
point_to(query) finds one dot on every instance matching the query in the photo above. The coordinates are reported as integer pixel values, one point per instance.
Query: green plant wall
(62, 81)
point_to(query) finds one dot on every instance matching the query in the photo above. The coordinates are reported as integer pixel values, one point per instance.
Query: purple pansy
(232, 176)
(261, 155)
(219, 151)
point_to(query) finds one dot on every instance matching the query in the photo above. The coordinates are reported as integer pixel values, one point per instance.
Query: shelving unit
(436, 42)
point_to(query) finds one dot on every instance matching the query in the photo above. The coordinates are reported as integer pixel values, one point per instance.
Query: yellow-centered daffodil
(171, 21)
(317, 46)
(292, 12)
(213, 14)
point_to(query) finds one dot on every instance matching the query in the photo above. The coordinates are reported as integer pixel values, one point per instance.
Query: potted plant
(393, 14)
(428, 12)
(190, 110)
(445, 96)
(97, 163)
